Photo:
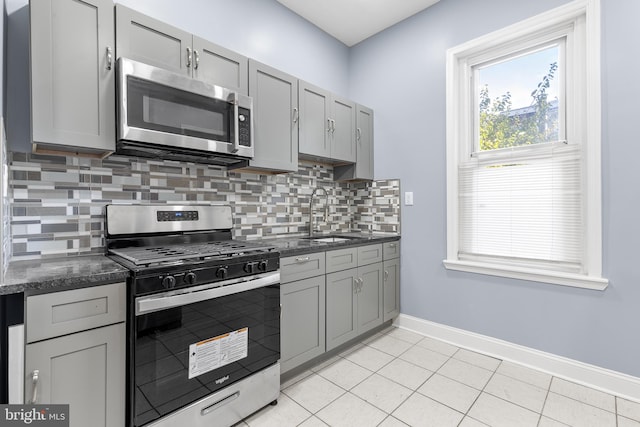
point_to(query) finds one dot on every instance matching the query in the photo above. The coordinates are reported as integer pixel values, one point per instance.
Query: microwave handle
(236, 134)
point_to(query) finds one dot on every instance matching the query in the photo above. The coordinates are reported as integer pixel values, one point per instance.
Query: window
(523, 150)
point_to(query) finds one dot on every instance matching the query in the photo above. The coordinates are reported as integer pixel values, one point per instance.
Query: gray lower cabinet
(354, 303)
(303, 321)
(370, 297)
(84, 370)
(391, 278)
(72, 76)
(75, 353)
(363, 168)
(391, 271)
(342, 307)
(355, 295)
(302, 295)
(144, 39)
(320, 312)
(275, 118)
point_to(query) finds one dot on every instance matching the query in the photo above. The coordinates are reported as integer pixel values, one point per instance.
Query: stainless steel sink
(331, 239)
(328, 239)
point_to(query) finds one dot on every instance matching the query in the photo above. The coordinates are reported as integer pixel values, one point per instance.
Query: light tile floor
(399, 378)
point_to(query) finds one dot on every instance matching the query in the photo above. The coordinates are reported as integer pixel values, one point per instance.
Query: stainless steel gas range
(203, 315)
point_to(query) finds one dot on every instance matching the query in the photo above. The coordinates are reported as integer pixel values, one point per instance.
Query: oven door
(166, 109)
(190, 343)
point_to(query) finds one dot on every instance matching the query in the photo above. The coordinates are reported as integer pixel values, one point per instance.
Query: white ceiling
(352, 21)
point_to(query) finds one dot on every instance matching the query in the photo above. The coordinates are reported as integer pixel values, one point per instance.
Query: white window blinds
(523, 207)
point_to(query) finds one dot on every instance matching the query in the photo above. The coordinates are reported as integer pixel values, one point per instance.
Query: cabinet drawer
(342, 259)
(391, 250)
(61, 313)
(301, 267)
(369, 254)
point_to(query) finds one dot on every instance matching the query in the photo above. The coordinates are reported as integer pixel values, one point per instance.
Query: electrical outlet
(408, 198)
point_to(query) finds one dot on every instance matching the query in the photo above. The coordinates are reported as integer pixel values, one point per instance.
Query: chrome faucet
(326, 208)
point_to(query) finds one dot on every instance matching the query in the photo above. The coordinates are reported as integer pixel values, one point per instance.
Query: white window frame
(583, 99)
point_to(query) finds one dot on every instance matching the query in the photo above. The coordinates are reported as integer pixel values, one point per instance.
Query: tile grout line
(545, 402)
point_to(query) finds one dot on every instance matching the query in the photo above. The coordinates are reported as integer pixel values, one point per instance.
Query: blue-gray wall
(400, 73)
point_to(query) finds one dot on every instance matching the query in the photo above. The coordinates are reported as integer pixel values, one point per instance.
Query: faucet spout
(326, 208)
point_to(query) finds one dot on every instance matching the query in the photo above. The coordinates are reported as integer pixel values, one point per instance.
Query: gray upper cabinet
(315, 121)
(220, 66)
(363, 168)
(343, 141)
(72, 76)
(275, 118)
(327, 125)
(144, 39)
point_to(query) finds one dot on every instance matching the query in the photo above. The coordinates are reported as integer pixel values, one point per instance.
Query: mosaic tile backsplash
(57, 202)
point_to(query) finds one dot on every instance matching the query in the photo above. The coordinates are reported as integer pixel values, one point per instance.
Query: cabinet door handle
(109, 58)
(392, 245)
(328, 125)
(333, 126)
(386, 275)
(196, 58)
(296, 115)
(188, 57)
(358, 134)
(303, 259)
(34, 378)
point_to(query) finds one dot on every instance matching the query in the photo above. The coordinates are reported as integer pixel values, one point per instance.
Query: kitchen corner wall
(57, 203)
(5, 216)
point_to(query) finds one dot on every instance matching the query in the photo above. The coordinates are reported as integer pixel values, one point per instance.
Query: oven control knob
(262, 265)
(169, 282)
(221, 273)
(241, 118)
(190, 278)
(249, 267)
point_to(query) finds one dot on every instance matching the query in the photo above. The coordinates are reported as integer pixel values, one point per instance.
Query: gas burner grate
(172, 253)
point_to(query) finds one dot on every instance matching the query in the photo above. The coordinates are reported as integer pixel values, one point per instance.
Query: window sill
(556, 278)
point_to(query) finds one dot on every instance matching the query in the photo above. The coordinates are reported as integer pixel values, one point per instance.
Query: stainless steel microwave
(171, 116)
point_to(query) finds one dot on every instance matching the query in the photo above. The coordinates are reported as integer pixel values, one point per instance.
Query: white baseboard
(606, 380)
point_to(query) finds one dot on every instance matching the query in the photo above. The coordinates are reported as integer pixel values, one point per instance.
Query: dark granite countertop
(57, 274)
(301, 244)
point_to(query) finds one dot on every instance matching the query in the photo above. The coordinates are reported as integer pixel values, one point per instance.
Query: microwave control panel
(244, 127)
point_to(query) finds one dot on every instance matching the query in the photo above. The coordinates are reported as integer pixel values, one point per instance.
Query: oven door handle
(179, 298)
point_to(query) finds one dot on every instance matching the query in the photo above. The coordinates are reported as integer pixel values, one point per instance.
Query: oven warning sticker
(210, 354)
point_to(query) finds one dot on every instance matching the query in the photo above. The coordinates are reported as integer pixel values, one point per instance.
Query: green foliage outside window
(504, 127)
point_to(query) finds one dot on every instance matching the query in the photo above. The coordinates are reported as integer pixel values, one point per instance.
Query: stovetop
(171, 253)
(167, 247)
